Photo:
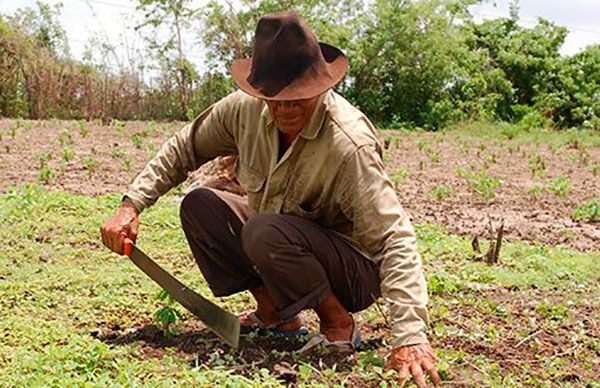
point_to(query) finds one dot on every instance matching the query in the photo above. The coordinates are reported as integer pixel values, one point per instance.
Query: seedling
(561, 187)
(68, 154)
(441, 192)
(595, 169)
(46, 174)
(90, 164)
(536, 164)
(12, 130)
(399, 176)
(482, 184)
(117, 153)
(137, 140)
(434, 156)
(65, 137)
(83, 128)
(166, 316)
(588, 211)
(536, 191)
(126, 163)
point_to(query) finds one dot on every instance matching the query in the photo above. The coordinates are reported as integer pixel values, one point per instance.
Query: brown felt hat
(288, 63)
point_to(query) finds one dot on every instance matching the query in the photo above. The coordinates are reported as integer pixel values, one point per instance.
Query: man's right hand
(123, 225)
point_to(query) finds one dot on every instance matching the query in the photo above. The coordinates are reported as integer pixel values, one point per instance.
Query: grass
(58, 285)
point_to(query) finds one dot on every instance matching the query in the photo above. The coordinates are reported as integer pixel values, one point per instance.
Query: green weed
(441, 192)
(589, 211)
(561, 187)
(167, 315)
(400, 176)
(90, 164)
(83, 129)
(536, 164)
(481, 183)
(68, 154)
(65, 137)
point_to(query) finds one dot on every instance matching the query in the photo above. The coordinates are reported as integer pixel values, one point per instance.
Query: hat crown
(284, 49)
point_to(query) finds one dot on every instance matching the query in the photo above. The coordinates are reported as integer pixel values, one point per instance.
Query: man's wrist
(127, 203)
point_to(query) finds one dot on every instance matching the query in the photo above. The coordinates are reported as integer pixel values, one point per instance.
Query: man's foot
(255, 319)
(336, 322)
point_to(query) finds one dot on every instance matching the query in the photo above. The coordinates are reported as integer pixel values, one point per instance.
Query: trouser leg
(212, 221)
(301, 264)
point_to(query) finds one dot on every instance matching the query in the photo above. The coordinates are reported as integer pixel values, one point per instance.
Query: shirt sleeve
(383, 230)
(209, 136)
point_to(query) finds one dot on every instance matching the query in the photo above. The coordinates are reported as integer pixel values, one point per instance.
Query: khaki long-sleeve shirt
(332, 174)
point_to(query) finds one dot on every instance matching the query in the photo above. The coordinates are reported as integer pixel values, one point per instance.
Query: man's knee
(259, 235)
(194, 201)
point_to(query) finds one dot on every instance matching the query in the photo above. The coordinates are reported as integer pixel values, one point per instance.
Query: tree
(174, 16)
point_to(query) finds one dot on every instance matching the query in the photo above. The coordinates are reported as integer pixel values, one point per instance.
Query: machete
(223, 323)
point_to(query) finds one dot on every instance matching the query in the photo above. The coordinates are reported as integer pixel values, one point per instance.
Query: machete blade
(223, 323)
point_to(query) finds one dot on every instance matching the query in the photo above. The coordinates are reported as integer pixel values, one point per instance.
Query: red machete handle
(128, 244)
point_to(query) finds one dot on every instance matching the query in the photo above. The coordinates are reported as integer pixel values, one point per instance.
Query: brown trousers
(299, 262)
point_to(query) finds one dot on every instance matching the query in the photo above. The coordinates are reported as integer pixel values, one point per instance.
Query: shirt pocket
(252, 182)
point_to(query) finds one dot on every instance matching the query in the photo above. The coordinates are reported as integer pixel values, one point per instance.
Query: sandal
(273, 329)
(320, 340)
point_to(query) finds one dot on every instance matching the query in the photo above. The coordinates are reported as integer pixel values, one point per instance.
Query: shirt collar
(314, 124)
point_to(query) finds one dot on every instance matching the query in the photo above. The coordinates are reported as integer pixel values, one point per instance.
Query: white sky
(78, 19)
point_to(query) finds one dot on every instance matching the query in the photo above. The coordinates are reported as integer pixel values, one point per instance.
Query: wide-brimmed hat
(288, 63)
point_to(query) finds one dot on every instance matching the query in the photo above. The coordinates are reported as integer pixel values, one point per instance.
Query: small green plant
(441, 192)
(589, 211)
(65, 137)
(167, 315)
(555, 312)
(137, 140)
(594, 169)
(536, 191)
(90, 164)
(399, 177)
(46, 175)
(126, 163)
(83, 128)
(509, 131)
(117, 153)
(481, 183)
(12, 130)
(443, 283)
(536, 164)
(434, 156)
(561, 187)
(68, 154)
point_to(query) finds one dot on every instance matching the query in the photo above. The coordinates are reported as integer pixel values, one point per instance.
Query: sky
(112, 18)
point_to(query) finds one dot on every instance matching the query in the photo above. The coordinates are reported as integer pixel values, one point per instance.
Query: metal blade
(223, 323)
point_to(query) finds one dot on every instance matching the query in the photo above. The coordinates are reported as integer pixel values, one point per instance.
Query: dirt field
(532, 199)
(82, 315)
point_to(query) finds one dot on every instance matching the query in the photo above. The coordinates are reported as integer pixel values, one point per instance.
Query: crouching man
(321, 227)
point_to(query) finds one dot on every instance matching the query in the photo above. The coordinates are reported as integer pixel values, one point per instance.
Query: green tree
(173, 17)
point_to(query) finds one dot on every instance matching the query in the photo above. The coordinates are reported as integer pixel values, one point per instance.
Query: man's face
(291, 116)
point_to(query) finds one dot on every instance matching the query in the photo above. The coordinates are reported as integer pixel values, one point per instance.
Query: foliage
(589, 211)
(481, 183)
(561, 187)
(167, 315)
(51, 261)
(413, 64)
(441, 192)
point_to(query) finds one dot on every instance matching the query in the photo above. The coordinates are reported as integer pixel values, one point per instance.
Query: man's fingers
(417, 373)
(434, 376)
(403, 375)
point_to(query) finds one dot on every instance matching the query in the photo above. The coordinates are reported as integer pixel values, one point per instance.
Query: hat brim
(306, 86)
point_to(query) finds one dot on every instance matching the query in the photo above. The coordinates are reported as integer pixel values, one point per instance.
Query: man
(321, 226)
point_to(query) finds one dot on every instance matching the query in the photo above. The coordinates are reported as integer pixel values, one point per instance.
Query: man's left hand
(416, 360)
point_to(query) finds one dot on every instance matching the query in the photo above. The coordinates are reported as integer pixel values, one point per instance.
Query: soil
(546, 341)
(546, 219)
